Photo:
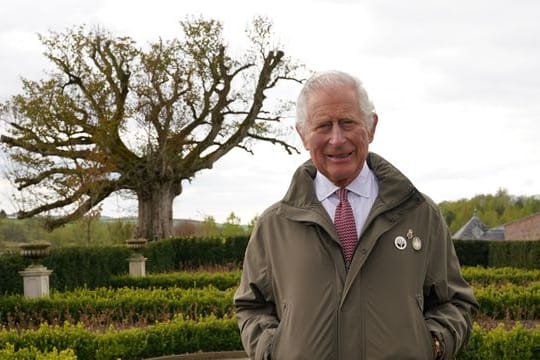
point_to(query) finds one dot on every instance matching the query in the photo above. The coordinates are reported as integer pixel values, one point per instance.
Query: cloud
(455, 84)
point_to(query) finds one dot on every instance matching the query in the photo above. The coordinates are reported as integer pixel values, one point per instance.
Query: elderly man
(354, 262)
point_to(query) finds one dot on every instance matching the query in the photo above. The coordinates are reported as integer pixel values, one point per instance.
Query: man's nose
(337, 136)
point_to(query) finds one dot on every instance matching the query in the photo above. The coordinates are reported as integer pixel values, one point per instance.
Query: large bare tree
(112, 117)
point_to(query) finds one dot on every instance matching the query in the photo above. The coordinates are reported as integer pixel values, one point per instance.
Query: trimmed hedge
(472, 252)
(172, 337)
(9, 353)
(10, 280)
(76, 267)
(509, 301)
(73, 267)
(221, 280)
(185, 336)
(518, 254)
(479, 276)
(517, 343)
(524, 254)
(193, 253)
(105, 307)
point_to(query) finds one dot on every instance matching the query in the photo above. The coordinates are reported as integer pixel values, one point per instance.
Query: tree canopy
(492, 209)
(113, 116)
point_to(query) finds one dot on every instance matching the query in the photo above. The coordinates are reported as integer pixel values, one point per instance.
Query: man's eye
(324, 126)
(347, 123)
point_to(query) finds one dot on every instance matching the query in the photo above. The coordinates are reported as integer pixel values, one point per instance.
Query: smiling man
(354, 262)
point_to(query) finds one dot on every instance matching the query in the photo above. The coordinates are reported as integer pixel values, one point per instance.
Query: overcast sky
(456, 85)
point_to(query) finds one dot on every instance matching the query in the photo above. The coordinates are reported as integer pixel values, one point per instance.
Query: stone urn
(35, 276)
(35, 251)
(136, 244)
(137, 262)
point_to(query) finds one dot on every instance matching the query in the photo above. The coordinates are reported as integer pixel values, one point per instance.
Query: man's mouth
(339, 156)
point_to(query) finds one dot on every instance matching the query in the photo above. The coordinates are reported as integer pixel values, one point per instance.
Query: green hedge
(193, 253)
(185, 336)
(524, 254)
(10, 280)
(221, 280)
(517, 343)
(509, 301)
(518, 254)
(480, 276)
(73, 267)
(172, 337)
(9, 353)
(472, 252)
(76, 267)
(104, 307)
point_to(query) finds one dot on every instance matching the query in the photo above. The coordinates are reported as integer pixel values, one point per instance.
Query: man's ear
(375, 120)
(302, 136)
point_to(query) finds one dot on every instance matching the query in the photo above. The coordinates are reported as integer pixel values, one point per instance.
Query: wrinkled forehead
(333, 99)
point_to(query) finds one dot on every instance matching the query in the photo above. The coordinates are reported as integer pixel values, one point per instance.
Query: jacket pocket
(279, 330)
(423, 330)
(262, 351)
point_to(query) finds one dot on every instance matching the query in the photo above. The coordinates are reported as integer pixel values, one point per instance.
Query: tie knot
(342, 194)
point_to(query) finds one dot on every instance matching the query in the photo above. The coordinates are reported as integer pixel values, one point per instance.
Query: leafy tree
(493, 210)
(209, 227)
(185, 228)
(87, 223)
(119, 231)
(252, 224)
(232, 226)
(115, 117)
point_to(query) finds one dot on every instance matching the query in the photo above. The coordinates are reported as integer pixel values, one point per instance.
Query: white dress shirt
(361, 195)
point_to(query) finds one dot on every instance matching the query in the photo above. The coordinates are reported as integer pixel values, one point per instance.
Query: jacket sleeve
(254, 301)
(449, 300)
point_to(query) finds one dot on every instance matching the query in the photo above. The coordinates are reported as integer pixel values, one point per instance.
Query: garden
(95, 310)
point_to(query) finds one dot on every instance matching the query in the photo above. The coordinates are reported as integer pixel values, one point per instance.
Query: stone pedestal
(36, 281)
(137, 265)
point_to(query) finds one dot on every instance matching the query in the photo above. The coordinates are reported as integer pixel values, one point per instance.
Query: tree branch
(45, 149)
(289, 148)
(26, 182)
(101, 190)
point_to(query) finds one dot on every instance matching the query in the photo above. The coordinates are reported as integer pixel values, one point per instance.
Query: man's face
(336, 133)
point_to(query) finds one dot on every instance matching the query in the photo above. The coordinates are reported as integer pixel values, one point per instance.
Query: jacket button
(363, 251)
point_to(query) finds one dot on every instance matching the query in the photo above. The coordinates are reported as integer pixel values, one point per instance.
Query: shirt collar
(362, 185)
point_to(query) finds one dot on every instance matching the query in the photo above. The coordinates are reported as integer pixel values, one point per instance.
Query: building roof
(474, 229)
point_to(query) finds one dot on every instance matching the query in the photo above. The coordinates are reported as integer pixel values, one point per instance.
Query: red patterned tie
(345, 226)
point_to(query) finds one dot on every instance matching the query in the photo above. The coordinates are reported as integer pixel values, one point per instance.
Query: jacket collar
(394, 187)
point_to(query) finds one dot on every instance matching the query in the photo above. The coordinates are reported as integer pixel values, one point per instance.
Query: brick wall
(523, 229)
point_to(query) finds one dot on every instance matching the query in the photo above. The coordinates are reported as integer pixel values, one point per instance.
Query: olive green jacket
(296, 300)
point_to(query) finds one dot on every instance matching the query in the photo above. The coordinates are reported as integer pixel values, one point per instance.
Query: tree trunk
(155, 220)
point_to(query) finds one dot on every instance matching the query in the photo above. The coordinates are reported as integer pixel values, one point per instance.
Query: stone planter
(35, 276)
(137, 262)
(35, 251)
(136, 244)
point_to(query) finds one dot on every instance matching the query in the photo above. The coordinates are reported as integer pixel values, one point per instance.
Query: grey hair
(330, 79)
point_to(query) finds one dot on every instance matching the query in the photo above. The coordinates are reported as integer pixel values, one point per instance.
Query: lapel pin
(400, 243)
(416, 243)
(410, 234)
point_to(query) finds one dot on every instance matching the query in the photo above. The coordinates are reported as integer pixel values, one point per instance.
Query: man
(323, 282)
